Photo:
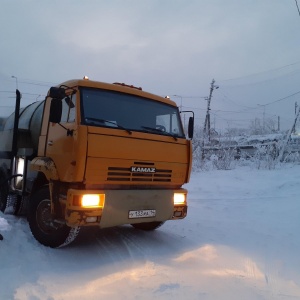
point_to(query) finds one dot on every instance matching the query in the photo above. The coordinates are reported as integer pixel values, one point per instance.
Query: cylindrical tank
(30, 122)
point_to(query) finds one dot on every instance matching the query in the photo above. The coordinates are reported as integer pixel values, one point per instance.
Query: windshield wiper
(103, 121)
(159, 131)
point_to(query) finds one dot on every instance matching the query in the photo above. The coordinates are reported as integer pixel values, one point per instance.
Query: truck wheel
(43, 227)
(148, 226)
(3, 191)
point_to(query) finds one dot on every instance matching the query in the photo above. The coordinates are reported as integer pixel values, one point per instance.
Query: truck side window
(68, 110)
(169, 122)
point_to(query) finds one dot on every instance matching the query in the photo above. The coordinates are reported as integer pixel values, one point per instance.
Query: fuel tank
(30, 121)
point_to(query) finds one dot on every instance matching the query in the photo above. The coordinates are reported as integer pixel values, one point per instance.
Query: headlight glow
(179, 198)
(92, 200)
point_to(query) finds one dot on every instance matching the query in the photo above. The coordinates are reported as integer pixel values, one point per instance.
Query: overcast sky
(168, 47)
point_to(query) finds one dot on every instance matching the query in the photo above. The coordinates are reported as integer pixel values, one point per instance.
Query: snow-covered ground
(240, 240)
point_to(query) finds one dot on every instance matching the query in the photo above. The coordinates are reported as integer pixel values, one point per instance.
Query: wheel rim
(43, 216)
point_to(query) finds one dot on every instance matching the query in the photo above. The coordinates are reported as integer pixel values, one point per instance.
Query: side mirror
(191, 124)
(68, 100)
(191, 127)
(57, 92)
(55, 111)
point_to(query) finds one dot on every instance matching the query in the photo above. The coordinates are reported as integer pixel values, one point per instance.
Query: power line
(254, 81)
(255, 107)
(35, 83)
(232, 111)
(230, 100)
(262, 72)
(31, 81)
(282, 98)
(195, 108)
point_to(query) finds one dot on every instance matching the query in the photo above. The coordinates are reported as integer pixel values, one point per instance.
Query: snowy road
(240, 241)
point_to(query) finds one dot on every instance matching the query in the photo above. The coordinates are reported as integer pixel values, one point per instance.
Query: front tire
(43, 227)
(149, 226)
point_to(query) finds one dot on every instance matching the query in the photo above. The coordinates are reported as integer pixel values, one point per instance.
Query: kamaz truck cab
(95, 154)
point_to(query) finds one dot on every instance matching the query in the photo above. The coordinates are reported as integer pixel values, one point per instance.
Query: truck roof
(124, 88)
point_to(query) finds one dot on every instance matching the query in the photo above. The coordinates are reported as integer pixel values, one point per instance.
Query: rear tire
(43, 227)
(9, 203)
(3, 191)
(148, 226)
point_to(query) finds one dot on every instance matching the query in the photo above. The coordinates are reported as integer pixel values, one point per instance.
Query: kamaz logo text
(142, 170)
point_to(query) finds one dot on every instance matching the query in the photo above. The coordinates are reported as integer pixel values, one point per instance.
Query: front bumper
(115, 209)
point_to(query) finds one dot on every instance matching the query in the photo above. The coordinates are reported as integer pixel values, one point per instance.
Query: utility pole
(288, 136)
(297, 7)
(206, 130)
(264, 117)
(296, 105)
(207, 117)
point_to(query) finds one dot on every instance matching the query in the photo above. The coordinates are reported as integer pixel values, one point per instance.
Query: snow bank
(240, 241)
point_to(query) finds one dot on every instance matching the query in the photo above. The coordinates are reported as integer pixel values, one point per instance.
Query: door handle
(50, 143)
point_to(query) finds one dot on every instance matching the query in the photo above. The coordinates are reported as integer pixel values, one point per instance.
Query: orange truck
(94, 154)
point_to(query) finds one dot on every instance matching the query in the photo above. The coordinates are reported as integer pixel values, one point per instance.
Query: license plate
(145, 213)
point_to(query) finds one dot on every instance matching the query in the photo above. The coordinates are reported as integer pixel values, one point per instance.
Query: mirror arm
(69, 131)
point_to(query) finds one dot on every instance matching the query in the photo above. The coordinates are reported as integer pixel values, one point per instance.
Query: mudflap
(11, 205)
(16, 205)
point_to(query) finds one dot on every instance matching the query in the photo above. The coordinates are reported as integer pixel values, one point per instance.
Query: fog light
(177, 214)
(179, 198)
(91, 219)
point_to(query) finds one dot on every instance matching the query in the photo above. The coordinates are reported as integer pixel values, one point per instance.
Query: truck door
(60, 140)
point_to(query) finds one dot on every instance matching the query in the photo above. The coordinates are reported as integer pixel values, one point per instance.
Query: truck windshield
(112, 109)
